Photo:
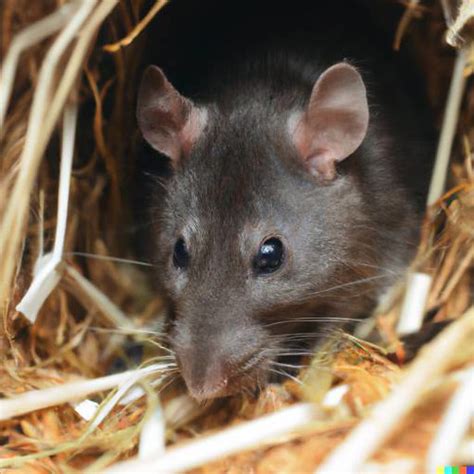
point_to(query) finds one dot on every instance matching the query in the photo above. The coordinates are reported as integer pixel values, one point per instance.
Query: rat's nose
(207, 379)
(211, 374)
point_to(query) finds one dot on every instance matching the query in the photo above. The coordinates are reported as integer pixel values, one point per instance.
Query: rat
(292, 202)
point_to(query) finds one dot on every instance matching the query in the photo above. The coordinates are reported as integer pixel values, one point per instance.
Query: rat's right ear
(169, 122)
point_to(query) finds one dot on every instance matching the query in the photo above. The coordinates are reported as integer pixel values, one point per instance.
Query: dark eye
(269, 257)
(180, 254)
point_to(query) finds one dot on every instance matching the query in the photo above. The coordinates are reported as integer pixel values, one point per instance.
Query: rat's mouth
(249, 382)
(248, 377)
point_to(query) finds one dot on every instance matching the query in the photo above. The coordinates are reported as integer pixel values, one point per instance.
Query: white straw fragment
(366, 438)
(124, 387)
(414, 303)
(109, 309)
(454, 425)
(135, 393)
(67, 154)
(45, 279)
(180, 410)
(227, 442)
(152, 437)
(466, 13)
(52, 396)
(405, 466)
(86, 409)
(448, 130)
(26, 38)
(46, 268)
(464, 455)
(334, 397)
(132, 395)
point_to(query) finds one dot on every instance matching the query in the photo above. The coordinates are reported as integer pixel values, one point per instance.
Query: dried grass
(98, 301)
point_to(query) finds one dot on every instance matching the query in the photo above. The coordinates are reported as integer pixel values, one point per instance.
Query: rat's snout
(205, 377)
(218, 365)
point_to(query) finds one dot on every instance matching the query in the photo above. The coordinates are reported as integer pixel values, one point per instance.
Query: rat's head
(252, 223)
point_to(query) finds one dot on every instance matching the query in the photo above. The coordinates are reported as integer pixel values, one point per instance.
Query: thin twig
(407, 16)
(112, 48)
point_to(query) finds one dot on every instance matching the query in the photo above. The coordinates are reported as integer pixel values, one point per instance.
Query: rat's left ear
(335, 121)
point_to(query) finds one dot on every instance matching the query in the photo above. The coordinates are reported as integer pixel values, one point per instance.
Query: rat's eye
(180, 254)
(269, 257)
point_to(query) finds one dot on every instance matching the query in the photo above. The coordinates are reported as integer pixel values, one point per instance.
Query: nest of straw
(69, 306)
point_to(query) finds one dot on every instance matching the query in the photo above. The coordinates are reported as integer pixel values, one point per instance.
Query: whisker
(315, 319)
(290, 366)
(305, 336)
(162, 347)
(163, 386)
(321, 331)
(128, 331)
(296, 353)
(108, 258)
(351, 283)
(285, 374)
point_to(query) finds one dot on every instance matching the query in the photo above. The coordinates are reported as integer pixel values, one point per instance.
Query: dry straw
(84, 298)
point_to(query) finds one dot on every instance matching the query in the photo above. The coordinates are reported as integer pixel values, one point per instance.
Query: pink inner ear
(193, 128)
(319, 159)
(321, 164)
(335, 122)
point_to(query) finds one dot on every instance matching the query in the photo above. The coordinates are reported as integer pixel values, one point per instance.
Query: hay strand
(153, 436)
(47, 275)
(465, 15)
(15, 215)
(362, 443)
(110, 310)
(448, 130)
(454, 425)
(224, 443)
(53, 396)
(30, 36)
